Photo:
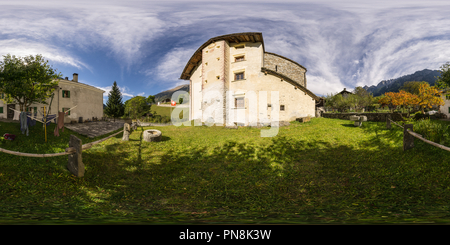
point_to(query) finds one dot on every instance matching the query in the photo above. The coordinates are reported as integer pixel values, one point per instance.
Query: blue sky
(144, 45)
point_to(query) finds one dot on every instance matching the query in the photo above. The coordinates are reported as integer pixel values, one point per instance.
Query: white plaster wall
(196, 90)
(444, 109)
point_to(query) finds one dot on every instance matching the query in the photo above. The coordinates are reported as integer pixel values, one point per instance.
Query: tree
(27, 79)
(412, 87)
(151, 99)
(114, 106)
(361, 98)
(136, 106)
(429, 96)
(444, 80)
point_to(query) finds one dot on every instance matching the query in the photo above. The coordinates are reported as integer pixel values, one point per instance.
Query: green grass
(162, 110)
(323, 171)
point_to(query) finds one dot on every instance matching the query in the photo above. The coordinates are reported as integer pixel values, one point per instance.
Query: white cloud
(173, 63)
(22, 47)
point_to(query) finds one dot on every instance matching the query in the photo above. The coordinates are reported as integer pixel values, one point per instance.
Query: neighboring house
(445, 95)
(238, 64)
(320, 107)
(88, 99)
(345, 93)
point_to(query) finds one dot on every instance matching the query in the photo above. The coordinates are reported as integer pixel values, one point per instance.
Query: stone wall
(375, 117)
(286, 67)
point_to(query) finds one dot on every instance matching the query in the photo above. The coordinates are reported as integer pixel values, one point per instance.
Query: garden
(322, 171)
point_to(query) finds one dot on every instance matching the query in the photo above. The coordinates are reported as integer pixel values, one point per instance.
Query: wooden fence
(75, 163)
(409, 135)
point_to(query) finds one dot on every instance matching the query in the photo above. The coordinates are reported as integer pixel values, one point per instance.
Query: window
(239, 47)
(66, 109)
(281, 107)
(239, 102)
(218, 77)
(1, 109)
(66, 94)
(239, 76)
(449, 109)
(240, 58)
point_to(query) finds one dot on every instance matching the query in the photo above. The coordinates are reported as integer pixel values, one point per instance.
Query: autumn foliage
(427, 97)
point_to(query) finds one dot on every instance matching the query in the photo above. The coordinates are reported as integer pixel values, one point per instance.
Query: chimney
(67, 78)
(345, 89)
(75, 77)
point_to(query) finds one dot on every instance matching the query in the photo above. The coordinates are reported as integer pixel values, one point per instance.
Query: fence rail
(74, 151)
(408, 141)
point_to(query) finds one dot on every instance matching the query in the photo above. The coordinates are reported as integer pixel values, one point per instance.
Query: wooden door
(10, 113)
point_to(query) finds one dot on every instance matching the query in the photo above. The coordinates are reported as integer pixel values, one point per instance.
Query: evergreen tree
(114, 106)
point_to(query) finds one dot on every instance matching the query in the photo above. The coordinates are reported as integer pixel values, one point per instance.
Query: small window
(239, 47)
(449, 109)
(66, 109)
(239, 76)
(218, 58)
(239, 102)
(281, 107)
(1, 109)
(218, 77)
(240, 58)
(206, 81)
(206, 63)
(269, 105)
(66, 94)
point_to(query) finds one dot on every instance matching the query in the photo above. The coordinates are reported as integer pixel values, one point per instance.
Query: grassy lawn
(323, 171)
(162, 110)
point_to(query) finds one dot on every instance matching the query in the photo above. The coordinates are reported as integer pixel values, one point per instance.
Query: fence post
(408, 139)
(126, 131)
(75, 164)
(388, 122)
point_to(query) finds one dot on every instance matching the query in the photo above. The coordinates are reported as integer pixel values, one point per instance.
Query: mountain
(168, 93)
(393, 85)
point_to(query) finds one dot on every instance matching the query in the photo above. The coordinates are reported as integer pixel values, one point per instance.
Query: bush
(435, 131)
(420, 116)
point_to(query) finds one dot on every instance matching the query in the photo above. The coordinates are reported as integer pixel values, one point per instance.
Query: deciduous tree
(444, 80)
(136, 106)
(27, 80)
(429, 96)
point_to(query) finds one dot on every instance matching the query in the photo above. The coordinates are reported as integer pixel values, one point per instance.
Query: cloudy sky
(144, 45)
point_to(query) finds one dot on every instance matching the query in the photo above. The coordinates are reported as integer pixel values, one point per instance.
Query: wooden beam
(246, 38)
(252, 39)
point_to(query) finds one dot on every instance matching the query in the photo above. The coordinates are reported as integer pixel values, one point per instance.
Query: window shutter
(63, 93)
(1, 109)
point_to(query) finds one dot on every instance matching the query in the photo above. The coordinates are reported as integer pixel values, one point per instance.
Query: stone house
(70, 93)
(345, 93)
(228, 73)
